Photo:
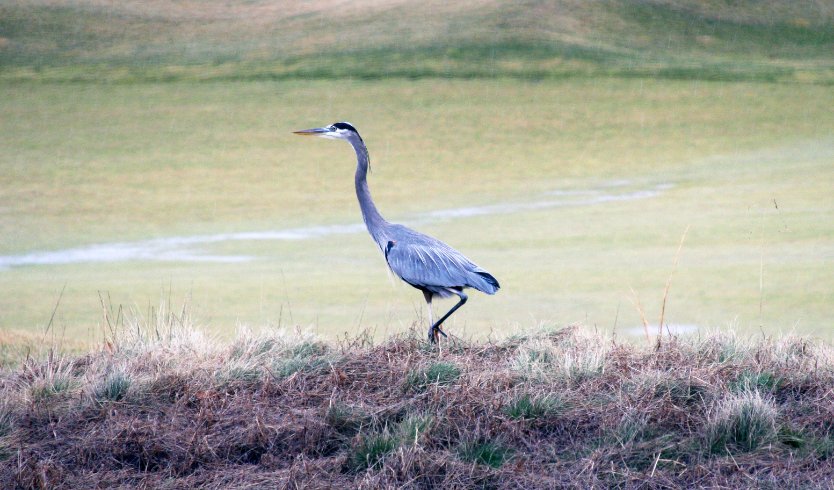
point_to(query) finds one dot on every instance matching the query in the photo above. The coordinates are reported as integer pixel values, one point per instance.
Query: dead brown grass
(552, 409)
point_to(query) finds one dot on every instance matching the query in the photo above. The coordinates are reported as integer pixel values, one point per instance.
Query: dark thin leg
(435, 333)
(435, 329)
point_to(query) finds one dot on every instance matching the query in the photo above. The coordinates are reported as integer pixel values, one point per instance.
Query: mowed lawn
(583, 189)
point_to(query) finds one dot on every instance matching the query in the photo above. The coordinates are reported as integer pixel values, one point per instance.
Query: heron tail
(489, 284)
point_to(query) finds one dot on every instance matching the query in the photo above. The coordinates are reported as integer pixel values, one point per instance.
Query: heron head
(336, 131)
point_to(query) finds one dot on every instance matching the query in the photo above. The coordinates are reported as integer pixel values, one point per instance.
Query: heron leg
(435, 329)
(432, 332)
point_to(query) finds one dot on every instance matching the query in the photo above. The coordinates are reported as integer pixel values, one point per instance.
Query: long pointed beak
(312, 132)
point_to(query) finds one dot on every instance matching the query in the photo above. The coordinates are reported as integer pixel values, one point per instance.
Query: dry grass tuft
(742, 422)
(167, 408)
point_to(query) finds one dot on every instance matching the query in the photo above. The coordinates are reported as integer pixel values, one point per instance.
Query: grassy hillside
(163, 408)
(139, 40)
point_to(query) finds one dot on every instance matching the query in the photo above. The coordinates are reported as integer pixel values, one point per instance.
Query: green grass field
(126, 124)
(126, 163)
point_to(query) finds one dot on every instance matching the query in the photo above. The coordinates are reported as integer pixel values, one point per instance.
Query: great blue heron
(424, 262)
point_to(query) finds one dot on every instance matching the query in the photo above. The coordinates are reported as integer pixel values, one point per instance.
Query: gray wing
(428, 263)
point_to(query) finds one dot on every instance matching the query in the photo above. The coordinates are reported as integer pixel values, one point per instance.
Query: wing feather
(428, 263)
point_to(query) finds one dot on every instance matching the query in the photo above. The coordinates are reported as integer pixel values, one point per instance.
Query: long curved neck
(373, 220)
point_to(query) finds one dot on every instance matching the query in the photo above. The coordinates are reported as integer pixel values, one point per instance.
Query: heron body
(424, 262)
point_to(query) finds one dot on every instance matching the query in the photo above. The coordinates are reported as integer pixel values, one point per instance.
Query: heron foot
(434, 330)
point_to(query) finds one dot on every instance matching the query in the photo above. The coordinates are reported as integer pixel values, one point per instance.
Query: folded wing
(428, 263)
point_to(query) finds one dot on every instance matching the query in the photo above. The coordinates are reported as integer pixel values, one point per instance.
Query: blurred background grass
(136, 120)
(98, 40)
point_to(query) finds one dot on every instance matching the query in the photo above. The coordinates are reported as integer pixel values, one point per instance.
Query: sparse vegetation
(486, 453)
(113, 388)
(415, 428)
(754, 381)
(569, 360)
(527, 407)
(52, 379)
(437, 373)
(371, 451)
(742, 422)
(346, 419)
(5, 418)
(512, 413)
